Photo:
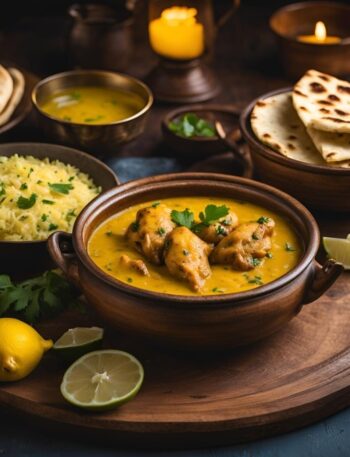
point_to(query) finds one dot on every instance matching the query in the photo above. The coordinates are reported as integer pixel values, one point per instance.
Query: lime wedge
(78, 341)
(102, 380)
(338, 249)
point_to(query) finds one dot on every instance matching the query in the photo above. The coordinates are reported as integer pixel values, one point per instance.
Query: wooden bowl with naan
(286, 157)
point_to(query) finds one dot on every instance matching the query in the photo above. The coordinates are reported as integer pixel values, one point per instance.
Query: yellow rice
(23, 177)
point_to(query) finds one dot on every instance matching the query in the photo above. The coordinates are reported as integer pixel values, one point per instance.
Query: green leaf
(288, 247)
(24, 186)
(61, 188)
(2, 189)
(32, 311)
(263, 220)
(5, 282)
(26, 203)
(190, 125)
(212, 213)
(183, 218)
(53, 227)
(48, 202)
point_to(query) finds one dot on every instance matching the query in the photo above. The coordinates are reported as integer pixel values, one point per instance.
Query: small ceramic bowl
(21, 259)
(198, 148)
(316, 186)
(101, 139)
(194, 322)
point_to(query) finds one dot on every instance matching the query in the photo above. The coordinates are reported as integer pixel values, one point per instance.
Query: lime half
(102, 380)
(338, 249)
(78, 341)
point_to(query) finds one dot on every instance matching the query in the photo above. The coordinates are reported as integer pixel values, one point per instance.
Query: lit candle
(320, 36)
(177, 34)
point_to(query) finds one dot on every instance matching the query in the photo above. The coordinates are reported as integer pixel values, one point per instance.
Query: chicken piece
(147, 234)
(214, 233)
(138, 265)
(186, 257)
(246, 243)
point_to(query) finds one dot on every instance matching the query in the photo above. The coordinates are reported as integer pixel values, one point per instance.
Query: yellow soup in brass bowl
(92, 105)
(243, 246)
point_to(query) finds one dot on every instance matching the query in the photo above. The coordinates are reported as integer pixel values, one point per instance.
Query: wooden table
(247, 66)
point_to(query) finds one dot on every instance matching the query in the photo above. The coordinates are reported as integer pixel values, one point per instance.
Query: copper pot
(209, 322)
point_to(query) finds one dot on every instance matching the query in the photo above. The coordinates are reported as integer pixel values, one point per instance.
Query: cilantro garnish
(263, 220)
(53, 227)
(26, 203)
(61, 188)
(2, 189)
(135, 226)
(23, 186)
(190, 125)
(183, 218)
(48, 202)
(40, 297)
(161, 231)
(155, 204)
(212, 213)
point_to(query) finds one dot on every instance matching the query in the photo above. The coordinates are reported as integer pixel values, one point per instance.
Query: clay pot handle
(62, 252)
(322, 279)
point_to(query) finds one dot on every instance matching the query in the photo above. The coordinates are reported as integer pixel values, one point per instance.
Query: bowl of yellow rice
(43, 188)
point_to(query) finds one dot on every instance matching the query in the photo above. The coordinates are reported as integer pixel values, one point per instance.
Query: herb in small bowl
(190, 125)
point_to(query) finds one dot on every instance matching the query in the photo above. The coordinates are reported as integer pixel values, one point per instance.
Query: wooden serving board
(298, 376)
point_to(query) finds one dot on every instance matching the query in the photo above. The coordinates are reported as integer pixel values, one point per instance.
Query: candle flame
(179, 14)
(320, 31)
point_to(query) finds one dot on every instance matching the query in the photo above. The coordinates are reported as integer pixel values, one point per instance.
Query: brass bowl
(101, 139)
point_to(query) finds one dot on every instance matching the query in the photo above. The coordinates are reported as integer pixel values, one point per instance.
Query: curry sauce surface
(108, 243)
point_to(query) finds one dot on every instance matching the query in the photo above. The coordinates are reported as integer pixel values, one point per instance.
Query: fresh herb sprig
(190, 125)
(61, 188)
(209, 216)
(37, 298)
(183, 218)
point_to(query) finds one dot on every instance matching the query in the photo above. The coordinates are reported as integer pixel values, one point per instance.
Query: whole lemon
(21, 349)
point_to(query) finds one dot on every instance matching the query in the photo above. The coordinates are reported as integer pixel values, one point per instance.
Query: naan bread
(276, 124)
(334, 147)
(17, 94)
(323, 102)
(6, 87)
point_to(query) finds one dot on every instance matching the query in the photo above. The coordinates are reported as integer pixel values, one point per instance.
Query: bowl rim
(251, 139)
(201, 300)
(172, 114)
(300, 5)
(48, 79)
(77, 152)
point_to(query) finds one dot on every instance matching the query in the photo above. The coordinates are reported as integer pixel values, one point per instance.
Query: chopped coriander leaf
(269, 255)
(61, 188)
(71, 178)
(39, 181)
(129, 279)
(26, 203)
(256, 262)
(288, 247)
(183, 218)
(44, 217)
(23, 186)
(185, 252)
(109, 233)
(263, 220)
(220, 230)
(2, 189)
(67, 118)
(135, 226)
(94, 119)
(48, 202)
(70, 215)
(53, 227)
(217, 290)
(155, 204)
(255, 236)
(190, 125)
(255, 280)
(30, 172)
(212, 213)
(161, 231)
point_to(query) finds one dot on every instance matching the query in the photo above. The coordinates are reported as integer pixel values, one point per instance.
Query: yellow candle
(177, 34)
(320, 36)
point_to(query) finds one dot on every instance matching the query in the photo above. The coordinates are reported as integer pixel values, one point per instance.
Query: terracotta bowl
(296, 19)
(101, 139)
(213, 322)
(22, 259)
(316, 186)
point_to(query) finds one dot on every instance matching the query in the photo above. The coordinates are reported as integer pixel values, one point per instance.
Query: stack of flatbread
(310, 124)
(11, 92)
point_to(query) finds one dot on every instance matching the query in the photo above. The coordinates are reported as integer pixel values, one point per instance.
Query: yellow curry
(92, 105)
(114, 240)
